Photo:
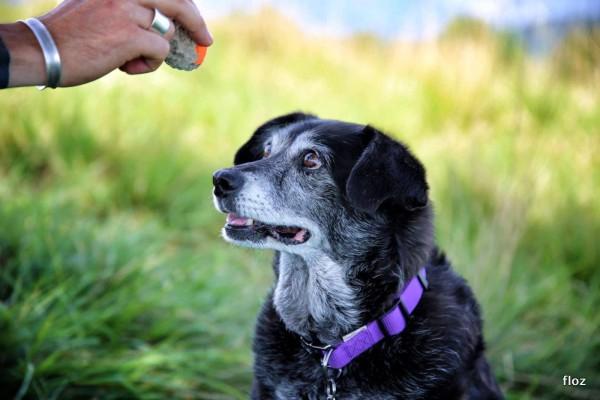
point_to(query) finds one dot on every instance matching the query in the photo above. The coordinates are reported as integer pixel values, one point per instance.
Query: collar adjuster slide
(405, 313)
(383, 328)
(423, 279)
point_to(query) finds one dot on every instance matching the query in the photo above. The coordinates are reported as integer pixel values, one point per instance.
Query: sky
(405, 19)
(409, 19)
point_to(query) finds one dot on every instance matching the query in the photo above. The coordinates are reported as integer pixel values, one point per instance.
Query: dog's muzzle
(228, 184)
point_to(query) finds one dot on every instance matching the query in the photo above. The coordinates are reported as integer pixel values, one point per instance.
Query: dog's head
(304, 184)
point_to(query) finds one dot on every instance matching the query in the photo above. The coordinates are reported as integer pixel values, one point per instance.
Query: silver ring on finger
(160, 23)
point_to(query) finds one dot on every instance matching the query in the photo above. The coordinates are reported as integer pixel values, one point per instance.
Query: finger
(144, 17)
(152, 50)
(187, 14)
(135, 67)
(171, 32)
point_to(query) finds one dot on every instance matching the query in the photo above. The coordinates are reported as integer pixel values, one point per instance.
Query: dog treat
(185, 54)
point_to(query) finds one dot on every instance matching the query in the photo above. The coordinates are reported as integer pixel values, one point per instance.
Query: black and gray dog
(346, 208)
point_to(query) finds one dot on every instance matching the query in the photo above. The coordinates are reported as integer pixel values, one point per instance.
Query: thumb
(137, 66)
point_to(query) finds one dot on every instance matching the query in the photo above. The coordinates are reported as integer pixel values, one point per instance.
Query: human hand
(94, 37)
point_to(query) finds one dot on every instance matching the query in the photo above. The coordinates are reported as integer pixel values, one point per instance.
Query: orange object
(201, 53)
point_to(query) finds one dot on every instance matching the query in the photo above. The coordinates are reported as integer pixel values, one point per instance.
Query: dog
(364, 305)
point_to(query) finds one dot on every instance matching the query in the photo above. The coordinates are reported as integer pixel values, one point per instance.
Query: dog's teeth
(249, 222)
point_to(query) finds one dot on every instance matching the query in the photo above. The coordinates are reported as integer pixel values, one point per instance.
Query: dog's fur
(371, 228)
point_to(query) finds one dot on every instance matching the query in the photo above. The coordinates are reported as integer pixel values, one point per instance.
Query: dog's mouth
(248, 229)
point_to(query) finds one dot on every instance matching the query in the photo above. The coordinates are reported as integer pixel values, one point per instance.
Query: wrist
(27, 65)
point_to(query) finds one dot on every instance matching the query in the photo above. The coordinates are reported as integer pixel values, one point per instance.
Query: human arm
(94, 37)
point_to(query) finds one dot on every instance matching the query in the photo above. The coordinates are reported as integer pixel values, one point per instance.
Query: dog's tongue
(292, 233)
(299, 236)
(236, 220)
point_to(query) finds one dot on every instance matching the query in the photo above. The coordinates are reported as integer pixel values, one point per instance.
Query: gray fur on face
(312, 291)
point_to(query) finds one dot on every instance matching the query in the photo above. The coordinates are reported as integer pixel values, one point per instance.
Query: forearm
(26, 66)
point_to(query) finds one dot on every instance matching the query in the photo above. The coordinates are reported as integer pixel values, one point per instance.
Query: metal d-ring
(325, 359)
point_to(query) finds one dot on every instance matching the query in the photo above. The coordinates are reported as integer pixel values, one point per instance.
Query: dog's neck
(319, 295)
(315, 299)
(312, 296)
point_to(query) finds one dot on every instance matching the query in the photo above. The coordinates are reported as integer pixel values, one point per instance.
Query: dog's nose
(227, 181)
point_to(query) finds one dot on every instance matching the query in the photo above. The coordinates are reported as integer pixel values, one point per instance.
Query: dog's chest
(312, 293)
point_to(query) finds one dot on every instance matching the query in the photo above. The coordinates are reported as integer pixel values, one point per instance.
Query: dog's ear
(386, 172)
(252, 150)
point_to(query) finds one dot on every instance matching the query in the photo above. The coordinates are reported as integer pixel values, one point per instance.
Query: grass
(114, 282)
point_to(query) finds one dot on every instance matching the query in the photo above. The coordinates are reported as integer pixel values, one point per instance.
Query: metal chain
(331, 374)
(331, 389)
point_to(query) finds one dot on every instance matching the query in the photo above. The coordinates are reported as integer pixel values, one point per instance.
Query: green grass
(114, 282)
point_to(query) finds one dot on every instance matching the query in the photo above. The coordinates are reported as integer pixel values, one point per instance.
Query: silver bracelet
(51, 56)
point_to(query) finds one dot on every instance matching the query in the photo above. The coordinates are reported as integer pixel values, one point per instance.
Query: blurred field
(114, 282)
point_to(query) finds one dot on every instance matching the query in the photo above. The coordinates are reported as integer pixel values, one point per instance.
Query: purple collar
(391, 323)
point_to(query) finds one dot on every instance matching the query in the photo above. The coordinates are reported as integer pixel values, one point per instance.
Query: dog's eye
(267, 151)
(311, 160)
